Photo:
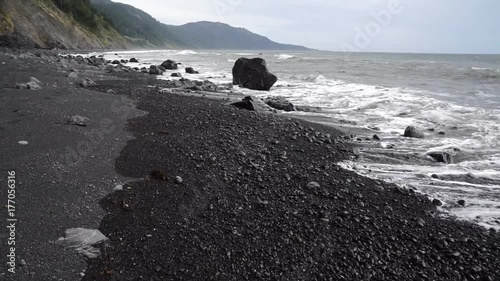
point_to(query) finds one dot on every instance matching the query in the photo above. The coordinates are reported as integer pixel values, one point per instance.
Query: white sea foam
(284, 56)
(187, 52)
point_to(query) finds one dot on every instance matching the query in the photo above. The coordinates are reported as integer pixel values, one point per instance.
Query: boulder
(253, 74)
(79, 59)
(115, 62)
(441, 157)
(133, 60)
(154, 70)
(176, 74)
(252, 104)
(280, 103)
(33, 84)
(95, 61)
(87, 83)
(169, 64)
(84, 241)
(191, 70)
(206, 85)
(73, 77)
(413, 132)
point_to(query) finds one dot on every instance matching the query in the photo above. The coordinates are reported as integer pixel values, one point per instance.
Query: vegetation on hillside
(132, 22)
(6, 25)
(139, 26)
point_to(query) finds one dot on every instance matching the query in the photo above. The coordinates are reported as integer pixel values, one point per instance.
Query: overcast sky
(420, 26)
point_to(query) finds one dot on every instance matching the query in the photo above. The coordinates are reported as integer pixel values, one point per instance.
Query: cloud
(424, 25)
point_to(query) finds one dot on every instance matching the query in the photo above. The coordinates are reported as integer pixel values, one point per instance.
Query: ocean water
(455, 94)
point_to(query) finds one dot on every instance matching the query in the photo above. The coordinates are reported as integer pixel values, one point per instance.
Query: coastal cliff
(56, 24)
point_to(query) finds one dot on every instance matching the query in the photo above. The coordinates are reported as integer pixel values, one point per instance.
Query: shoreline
(246, 209)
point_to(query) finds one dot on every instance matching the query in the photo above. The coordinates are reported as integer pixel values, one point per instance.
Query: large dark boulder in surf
(169, 64)
(253, 74)
(280, 103)
(441, 157)
(134, 60)
(413, 132)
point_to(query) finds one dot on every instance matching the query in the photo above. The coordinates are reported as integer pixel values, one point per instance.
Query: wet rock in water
(413, 132)
(442, 133)
(154, 70)
(252, 104)
(376, 137)
(308, 108)
(280, 103)
(87, 83)
(79, 59)
(115, 62)
(33, 84)
(84, 241)
(253, 74)
(441, 157)
(77, 120)
(176, 74)
(437, 202)
(133, 60)
(461, 202)
(191, 70)
(169, 64)
(434, 176)
(124, 61)
(95, 61)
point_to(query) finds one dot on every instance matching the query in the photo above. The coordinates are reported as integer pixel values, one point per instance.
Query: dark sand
(244, 210)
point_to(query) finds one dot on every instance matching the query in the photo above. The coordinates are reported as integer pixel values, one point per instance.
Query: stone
(252, 104)
(178, 180)
(118, 188)
(154, 70)
(176, 74)
(73, 77)
(313, 185)
(77, 120)
(83, 241)
(170, 64)
(134, 60)
(461, 203)
(376, 137)
(413, 132)
(87, 83)
(280, 103)
(22, 142)
(191, 70)
(437, 202)
(441, 157)
(253, 74)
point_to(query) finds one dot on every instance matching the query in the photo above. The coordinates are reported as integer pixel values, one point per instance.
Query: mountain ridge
(104, 24)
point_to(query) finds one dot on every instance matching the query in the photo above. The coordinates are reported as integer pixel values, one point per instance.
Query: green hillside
(142, 27)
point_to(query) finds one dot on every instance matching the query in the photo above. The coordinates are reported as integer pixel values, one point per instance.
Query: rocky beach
(186, 186)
